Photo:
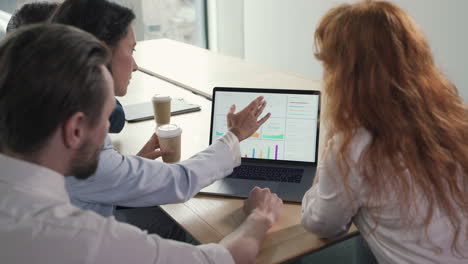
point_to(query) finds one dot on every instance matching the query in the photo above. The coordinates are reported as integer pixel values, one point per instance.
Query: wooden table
(200, 70)
(208, 218)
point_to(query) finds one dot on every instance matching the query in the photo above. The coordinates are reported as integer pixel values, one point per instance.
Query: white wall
(279, 33)
(4, 18)
(8, 5)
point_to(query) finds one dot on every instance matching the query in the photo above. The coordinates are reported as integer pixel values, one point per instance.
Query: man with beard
(54, 118)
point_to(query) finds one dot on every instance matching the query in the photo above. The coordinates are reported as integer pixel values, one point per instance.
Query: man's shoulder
(51, 225)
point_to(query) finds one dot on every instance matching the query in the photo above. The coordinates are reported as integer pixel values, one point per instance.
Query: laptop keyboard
(262, 173)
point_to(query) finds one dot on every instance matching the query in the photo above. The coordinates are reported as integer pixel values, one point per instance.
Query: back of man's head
(35, 12)
(47, 74)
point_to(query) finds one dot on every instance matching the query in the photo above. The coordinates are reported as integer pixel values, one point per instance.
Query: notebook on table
(282, 154)
(144, 111)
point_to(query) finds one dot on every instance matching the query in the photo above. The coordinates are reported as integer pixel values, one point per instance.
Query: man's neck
(44, 158)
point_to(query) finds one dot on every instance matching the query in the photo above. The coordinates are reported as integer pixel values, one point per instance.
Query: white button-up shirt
(328, 210)
(38, 224)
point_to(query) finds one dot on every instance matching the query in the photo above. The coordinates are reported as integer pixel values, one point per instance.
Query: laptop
(282, 153)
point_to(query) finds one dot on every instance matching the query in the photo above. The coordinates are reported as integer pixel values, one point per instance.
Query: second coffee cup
(162, 109)
(170, 140)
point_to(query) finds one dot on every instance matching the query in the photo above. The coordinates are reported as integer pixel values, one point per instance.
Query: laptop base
(235, 187)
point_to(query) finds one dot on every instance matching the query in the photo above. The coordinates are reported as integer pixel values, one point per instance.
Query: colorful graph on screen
(260, 153)
(292, 125)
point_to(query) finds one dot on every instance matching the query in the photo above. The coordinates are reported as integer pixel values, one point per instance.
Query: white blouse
(328, 210)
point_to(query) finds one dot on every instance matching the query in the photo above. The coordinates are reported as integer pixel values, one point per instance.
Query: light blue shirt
(133, 181)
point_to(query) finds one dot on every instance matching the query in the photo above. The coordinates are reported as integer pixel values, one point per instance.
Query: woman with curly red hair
(396, 162)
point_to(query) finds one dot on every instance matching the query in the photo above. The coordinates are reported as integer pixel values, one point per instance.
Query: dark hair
(30, 13)
(41, 86)
(105, 20)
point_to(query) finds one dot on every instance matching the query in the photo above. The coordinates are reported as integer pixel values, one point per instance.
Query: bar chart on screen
(261, 149)
(293, 124)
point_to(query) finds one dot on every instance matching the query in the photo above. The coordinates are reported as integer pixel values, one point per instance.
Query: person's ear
(74, 130)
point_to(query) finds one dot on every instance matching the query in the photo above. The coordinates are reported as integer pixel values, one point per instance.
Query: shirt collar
(32, 178)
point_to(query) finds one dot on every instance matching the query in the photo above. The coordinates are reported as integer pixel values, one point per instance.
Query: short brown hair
(30, 13)
(47, 73)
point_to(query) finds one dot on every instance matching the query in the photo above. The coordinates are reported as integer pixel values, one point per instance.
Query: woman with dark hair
(110, 23)
(133, 181)
(41, 11)
(396, 161)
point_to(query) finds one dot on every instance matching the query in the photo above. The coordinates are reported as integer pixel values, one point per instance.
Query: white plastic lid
(168, 131)
(161, 98)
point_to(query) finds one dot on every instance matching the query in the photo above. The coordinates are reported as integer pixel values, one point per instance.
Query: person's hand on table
(263, 209)
(265, 204)
(244, 123)
(151, 149)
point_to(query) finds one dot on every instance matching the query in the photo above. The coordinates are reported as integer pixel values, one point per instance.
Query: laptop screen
(290, 134)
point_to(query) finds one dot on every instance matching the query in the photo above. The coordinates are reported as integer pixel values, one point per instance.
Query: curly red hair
(380, 75)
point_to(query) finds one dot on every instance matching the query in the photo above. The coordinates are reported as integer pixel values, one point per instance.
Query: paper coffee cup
(170, 140)
(162, 109)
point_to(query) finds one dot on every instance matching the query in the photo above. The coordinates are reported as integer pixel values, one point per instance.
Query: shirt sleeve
(328, 208)
(122, 243)
(117, 118)
(129, 180)
(232, 142)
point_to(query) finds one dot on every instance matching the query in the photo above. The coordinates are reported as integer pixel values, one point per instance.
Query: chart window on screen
(292, 125)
